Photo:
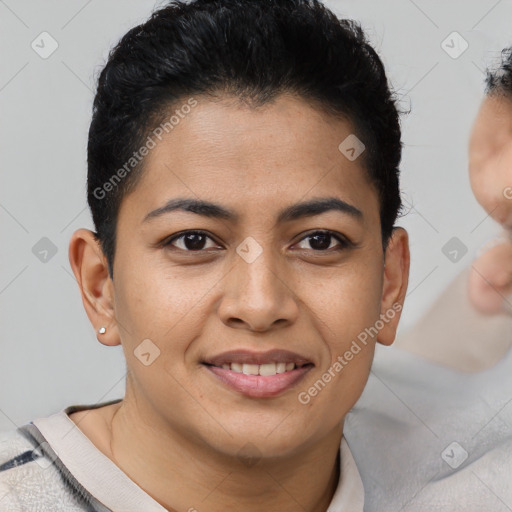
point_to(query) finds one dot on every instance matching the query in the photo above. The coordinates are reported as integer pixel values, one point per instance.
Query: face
(255, 288)
(490, 158)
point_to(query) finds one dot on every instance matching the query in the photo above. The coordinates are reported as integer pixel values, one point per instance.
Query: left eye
(321, 240)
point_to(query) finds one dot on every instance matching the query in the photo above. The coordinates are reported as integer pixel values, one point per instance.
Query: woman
(243, 181)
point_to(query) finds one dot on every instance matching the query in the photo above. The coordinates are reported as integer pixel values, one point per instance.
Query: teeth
(280, 367)
(236, 367)
(250, 369)
(268, 369)
(265, 370)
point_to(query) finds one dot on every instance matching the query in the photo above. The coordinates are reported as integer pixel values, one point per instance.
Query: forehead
(253, 158)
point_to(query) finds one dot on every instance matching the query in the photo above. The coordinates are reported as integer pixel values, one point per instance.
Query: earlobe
(90, 268)
(394, 288)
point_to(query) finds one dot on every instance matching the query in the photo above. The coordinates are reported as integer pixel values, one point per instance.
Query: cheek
(489, 180)
(158, 304)
(477, 178)
(348, 303)
(161, 293)
(339, 383)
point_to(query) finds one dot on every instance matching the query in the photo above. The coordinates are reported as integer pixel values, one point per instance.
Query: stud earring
(102, 330)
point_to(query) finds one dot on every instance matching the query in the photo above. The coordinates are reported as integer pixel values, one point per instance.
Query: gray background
(50, 357)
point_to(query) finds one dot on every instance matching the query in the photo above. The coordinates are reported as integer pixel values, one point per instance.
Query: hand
(490, 280)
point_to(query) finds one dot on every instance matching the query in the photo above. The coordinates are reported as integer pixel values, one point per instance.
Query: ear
(394, 288)
(90, 267)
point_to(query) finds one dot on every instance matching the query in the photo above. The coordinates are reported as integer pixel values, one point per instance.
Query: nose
(259, 295)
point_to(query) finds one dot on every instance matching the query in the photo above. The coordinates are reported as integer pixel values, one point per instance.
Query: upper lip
(248, 357)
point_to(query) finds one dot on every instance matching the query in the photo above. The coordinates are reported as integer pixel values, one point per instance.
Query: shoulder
(481, 482)
(449, 432)
(28, 475)
(16, 467)
(15, 449)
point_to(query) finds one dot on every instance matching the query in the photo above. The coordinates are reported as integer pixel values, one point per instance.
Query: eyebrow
(288, 214)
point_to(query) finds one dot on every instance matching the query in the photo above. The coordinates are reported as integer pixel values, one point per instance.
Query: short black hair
(499, 81)
(252, 50)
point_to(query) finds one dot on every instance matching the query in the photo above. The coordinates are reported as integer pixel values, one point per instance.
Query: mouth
(265, 370)
(258, 375)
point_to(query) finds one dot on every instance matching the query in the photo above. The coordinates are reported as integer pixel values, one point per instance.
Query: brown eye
(190, 241)
(322, 241)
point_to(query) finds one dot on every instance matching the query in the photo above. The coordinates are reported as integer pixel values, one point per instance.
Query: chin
(262, 439)
(248, 447)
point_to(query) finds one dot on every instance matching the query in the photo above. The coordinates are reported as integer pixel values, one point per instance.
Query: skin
(178, 430)
(490, 171)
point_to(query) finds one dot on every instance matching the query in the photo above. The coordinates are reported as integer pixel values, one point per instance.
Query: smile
(265, 370)
(258, 375)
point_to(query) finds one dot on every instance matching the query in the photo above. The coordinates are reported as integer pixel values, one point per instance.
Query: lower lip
(257, 386)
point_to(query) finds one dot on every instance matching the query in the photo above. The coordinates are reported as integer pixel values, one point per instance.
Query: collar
(110, 485)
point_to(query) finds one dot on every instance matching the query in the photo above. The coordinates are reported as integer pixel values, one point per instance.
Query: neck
(182, 473)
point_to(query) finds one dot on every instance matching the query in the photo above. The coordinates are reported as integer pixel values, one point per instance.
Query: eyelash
(344, 242)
